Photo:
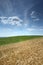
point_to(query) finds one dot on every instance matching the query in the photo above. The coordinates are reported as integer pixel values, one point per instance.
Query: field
(9, 40)
(25, 52)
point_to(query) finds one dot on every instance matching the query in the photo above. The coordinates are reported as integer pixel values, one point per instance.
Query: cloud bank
(14, 20)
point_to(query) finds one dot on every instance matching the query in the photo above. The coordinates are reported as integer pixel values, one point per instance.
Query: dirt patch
(29, 52)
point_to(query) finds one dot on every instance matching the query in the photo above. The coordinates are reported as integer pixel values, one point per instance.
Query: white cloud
(15, 20)
(36, 19)
(34, 16)
(34, 29)
(32, 13)
(30, 29)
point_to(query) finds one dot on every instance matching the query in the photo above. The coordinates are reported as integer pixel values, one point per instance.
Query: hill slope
(9, 40)
(28, 52)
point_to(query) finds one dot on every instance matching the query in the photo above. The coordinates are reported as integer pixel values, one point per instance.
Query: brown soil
(28, 52)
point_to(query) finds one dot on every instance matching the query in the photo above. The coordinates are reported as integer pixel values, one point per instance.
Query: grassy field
(8, 40)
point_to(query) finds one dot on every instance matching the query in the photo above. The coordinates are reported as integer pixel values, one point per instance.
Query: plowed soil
(28, 52)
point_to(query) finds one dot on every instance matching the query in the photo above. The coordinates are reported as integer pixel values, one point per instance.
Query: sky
(21, 17)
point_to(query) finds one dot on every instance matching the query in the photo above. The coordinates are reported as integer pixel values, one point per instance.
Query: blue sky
(21, 17)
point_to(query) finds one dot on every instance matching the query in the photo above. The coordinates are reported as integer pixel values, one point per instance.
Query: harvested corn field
(28, 52)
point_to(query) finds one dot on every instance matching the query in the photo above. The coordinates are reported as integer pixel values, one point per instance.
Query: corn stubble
(28, 52)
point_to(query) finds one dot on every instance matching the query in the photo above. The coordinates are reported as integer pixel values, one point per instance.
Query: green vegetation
(8, 40)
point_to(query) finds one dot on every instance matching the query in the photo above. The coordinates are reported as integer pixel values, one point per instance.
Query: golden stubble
(28, 52)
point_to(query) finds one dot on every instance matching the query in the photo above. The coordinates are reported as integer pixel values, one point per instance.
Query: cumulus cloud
(15, 20)
(4, 20)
